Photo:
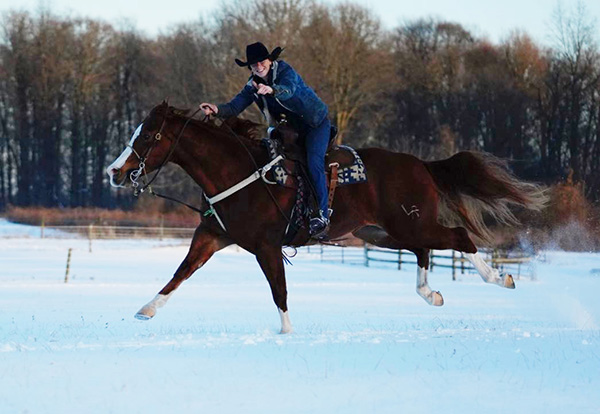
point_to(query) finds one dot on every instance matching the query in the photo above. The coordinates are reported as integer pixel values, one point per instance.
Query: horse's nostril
(115, 174)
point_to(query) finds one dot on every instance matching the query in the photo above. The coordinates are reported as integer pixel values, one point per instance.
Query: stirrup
(318, 227)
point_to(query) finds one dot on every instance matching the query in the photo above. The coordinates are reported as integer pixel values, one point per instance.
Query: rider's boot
(319, 226)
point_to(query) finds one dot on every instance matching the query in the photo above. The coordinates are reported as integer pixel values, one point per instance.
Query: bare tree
(88, 96)
(18, 39)
(577, 61)
(430, 86)
(185, 64)
(343, 57)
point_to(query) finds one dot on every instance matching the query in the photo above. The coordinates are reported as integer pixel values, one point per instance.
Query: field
(364, 341)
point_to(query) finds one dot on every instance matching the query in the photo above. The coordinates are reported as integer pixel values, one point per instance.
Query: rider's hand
(262, 89)
(208, 108)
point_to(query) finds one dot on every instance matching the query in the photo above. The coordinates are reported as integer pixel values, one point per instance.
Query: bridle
(135, 175)
(258, 174)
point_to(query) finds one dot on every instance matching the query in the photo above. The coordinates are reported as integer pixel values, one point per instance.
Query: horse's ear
(165, 102)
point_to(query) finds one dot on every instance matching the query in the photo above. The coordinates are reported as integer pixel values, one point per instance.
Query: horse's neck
(215, 160)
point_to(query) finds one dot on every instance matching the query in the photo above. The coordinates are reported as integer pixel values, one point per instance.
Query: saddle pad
(347, 174)
(354, 173)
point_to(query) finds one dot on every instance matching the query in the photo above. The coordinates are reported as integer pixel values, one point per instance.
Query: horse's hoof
(436, 298)
(147, 312)
(285, 331)
(509, 282)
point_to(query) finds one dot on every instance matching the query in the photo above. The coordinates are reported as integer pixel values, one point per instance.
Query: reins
(288, 220)
(260, 172)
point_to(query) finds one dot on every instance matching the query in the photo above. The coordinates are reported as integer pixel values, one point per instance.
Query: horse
(406, 203)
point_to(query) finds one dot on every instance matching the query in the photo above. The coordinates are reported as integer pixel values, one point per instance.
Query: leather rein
(259, 173)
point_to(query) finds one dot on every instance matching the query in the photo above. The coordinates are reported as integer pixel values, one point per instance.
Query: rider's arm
(286, 82)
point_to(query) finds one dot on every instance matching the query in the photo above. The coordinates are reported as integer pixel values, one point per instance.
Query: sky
(494, 20)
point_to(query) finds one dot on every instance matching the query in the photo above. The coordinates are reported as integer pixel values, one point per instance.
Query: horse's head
(146, 150)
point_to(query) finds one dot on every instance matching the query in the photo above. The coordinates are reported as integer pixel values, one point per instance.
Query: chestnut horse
(405, 204)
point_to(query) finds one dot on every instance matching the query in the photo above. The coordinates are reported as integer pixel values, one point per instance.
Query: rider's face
(261, 68)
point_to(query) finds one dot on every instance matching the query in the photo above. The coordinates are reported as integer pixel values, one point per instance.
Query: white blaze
(120, 162)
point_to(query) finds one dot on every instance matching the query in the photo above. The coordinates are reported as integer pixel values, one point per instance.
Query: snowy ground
(364, 342)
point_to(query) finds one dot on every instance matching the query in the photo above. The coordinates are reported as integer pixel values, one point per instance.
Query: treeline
(73, 90)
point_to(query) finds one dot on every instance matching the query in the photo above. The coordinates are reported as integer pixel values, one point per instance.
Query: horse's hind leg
(432, 297)
(489, 274)
(204, 244)
(458, 239)
(379, 237)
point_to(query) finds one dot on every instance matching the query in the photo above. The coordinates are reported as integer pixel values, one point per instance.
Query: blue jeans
(317, 140)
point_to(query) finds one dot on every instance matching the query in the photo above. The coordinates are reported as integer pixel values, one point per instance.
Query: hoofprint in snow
(363, 341)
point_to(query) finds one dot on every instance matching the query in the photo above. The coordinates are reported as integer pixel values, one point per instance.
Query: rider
(278, 90)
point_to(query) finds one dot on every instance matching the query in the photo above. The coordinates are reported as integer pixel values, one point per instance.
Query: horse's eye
(146, 137)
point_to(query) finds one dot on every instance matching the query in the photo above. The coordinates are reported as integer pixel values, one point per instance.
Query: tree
(89, 80)
(429, 92)
(344, 57)
(575, 76)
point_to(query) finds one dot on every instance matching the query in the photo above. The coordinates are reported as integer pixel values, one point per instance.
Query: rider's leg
(317, 140)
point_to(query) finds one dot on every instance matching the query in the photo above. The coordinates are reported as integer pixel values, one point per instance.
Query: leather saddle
(291, 145)
(292, 172)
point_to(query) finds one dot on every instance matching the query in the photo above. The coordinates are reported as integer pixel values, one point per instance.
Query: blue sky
(482, 17)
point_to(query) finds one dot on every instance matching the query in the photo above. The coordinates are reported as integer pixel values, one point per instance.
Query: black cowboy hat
(257, 52)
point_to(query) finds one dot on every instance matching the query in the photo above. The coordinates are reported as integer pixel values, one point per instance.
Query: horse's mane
(241, 127)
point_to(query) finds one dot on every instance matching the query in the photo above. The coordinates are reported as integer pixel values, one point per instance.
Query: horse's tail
(472, 185)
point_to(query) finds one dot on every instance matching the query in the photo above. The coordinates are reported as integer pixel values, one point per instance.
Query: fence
(513, 262)
(96, 232)
(93, 231)
(516, 263)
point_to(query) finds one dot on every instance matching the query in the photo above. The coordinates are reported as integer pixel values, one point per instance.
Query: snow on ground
(364, 342)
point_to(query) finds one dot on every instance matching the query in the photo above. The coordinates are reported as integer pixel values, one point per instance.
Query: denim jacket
(289, 91)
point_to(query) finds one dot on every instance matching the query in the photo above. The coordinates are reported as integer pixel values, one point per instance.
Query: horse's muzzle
(118, 176)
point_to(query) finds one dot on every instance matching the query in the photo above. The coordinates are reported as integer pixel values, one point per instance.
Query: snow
(363, 341)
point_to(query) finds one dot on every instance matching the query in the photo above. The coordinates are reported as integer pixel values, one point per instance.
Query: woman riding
(280, 92)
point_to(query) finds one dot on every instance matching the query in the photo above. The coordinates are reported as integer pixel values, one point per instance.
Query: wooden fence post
(162, 227)
(42, 228)
(68, 265)
(90, 232)
(399, 259)
(366, 250)
(453, 265)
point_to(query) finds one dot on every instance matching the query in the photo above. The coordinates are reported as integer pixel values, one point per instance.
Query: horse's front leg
(270, 260)
(204, 244)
